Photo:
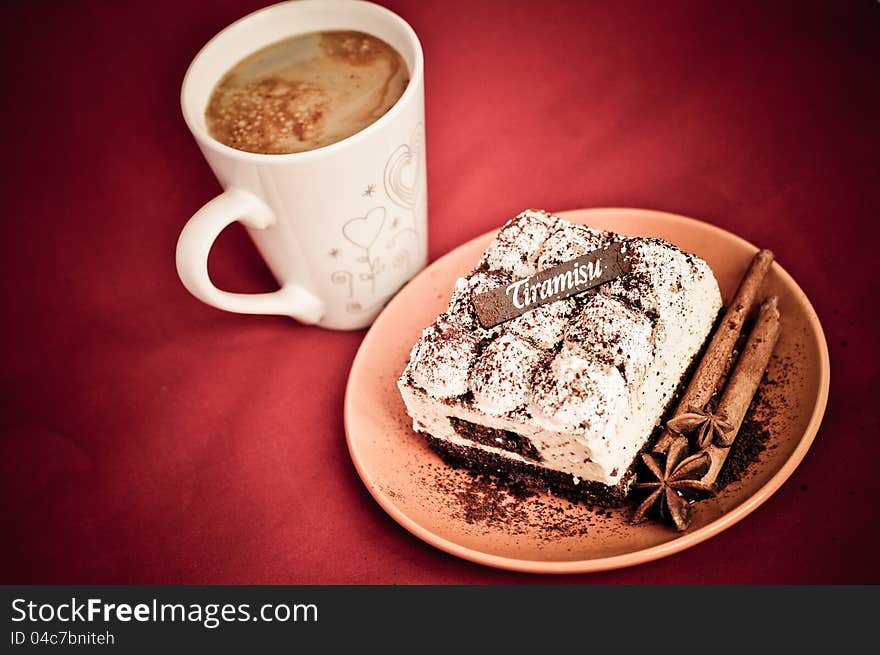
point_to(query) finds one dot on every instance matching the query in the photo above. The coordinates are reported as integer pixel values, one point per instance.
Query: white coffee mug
(341, 227)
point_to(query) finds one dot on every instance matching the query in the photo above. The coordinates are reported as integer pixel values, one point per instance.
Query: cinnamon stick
(711, 367)
(743, 382)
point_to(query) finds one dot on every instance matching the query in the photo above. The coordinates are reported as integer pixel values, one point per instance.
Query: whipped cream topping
(502, 375)
(544, 325)
(568, 242)
(461, 302)
(517, 245)
(578, 394)
(610, 332)
(441, 359)
(659, 272)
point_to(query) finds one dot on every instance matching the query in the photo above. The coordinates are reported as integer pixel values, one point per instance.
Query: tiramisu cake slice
(565, 395)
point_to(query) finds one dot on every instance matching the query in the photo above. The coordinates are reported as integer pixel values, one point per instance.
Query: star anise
(706, 426)
(676, 482)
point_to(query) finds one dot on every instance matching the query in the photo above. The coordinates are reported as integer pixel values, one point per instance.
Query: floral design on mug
(380, 226)
(363, 231)
(355, 307)
(343, 277)
(401, 259)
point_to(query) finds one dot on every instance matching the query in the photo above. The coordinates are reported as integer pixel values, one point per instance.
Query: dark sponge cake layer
(523, 478)
(504, 439)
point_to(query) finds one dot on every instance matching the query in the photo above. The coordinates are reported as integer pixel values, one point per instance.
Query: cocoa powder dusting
(492, 504)
(750, 443)
(754, 436)
(484, 502)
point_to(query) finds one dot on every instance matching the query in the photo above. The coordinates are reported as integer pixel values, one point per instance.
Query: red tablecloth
(148, 438)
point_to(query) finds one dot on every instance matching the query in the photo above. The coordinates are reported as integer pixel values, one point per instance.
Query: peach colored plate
(463, 515)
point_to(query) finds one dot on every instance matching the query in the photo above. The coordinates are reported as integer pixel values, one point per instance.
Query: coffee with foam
(306, 92)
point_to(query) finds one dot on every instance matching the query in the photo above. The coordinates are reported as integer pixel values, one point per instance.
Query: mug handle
(195, 243)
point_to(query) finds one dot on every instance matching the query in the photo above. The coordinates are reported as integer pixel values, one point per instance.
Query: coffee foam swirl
(306, 92)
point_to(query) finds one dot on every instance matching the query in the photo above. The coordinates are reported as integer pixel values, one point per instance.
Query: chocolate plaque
(567, 279)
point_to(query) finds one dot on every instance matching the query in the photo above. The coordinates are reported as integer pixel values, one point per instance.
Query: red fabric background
(147, 438)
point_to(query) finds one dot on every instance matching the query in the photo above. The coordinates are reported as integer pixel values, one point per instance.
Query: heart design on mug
(402, 171)
(364, 230)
